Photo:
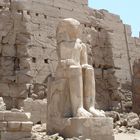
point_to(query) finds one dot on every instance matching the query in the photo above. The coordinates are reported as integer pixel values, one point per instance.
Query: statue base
(96, 128)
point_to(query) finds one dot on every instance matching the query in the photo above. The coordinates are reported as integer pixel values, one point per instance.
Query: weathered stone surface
(26, 126)
(28, 49)
(14, 135)
(14, 125)
(38, 109)
(18, 116)
(136, 87)
(88, 128)
(3, 125)
(1, 116)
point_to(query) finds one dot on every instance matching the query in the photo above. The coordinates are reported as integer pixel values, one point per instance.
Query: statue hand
(67, 62)
(70, 62)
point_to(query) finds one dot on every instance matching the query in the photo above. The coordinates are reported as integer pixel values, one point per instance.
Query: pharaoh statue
(73, 65)
(71, 95)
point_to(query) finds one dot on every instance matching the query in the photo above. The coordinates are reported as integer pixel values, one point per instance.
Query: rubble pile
(125, 122)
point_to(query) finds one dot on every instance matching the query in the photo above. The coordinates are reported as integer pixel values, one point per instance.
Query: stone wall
(28, 50)
(111, 59)
(37, 108)
(112, 53)
(15, 125)
(136, 87)
(14, 36)
(42, 19)
(28, 46)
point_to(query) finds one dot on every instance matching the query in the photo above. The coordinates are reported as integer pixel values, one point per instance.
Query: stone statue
(71, 94)
(73, 65)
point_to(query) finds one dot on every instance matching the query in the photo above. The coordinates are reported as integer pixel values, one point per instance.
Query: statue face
(68, 30)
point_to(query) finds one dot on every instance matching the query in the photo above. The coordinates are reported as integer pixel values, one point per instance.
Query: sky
(129, 11)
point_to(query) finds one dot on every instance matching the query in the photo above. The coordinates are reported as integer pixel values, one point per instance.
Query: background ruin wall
(28, 50)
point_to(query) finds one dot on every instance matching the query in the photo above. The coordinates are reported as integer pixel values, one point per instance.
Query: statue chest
(68, 52)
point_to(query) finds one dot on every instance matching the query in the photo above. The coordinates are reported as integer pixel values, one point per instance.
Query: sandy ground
(128, 136)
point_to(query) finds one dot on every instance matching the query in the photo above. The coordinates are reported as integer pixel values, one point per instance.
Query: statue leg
(89, 92)
(76, 92)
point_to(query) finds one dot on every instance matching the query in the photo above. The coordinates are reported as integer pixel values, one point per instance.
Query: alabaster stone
(71, 97)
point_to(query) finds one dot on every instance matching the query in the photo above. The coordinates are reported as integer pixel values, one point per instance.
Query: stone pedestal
(15, 125)
(97, 128)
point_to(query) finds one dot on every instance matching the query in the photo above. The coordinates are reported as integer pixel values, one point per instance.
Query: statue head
(68, 30)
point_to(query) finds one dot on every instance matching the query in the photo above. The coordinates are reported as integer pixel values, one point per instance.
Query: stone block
(136, 103)
(81, 16)
(43, 119)
(128, 29)
(8, 79)
(28, 104)
(14, 135)
(7, 64)
(18, 90)
(36, 105)
(137, 41)
(64, 4)
(14, 126)
(4, 89)
(23, 78)
(48, 2)
(36, 116)
(45, 9)
(38, 109)
(8, 51)
(136, 69)
(23, 39)
(22, 51)
(44, 114)
(16, 116)
(97, 128)
(136, 87)
(26, 126)
(98, 73)
(1, 115)
(3, 126)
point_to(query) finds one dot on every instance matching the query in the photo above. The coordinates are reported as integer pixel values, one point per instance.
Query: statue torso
(71, 50)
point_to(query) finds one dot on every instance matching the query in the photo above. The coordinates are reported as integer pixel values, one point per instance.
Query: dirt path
(128, 136)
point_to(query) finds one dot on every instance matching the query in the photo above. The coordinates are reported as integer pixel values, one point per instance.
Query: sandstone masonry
(28, 50)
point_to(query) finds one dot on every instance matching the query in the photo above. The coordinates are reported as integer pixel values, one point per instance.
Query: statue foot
(96, 113)
(83, 113)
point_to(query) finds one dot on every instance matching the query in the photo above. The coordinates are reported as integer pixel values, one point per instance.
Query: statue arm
(84, 58)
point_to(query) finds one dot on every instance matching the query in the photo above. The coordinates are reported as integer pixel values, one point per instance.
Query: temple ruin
(28, 58)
